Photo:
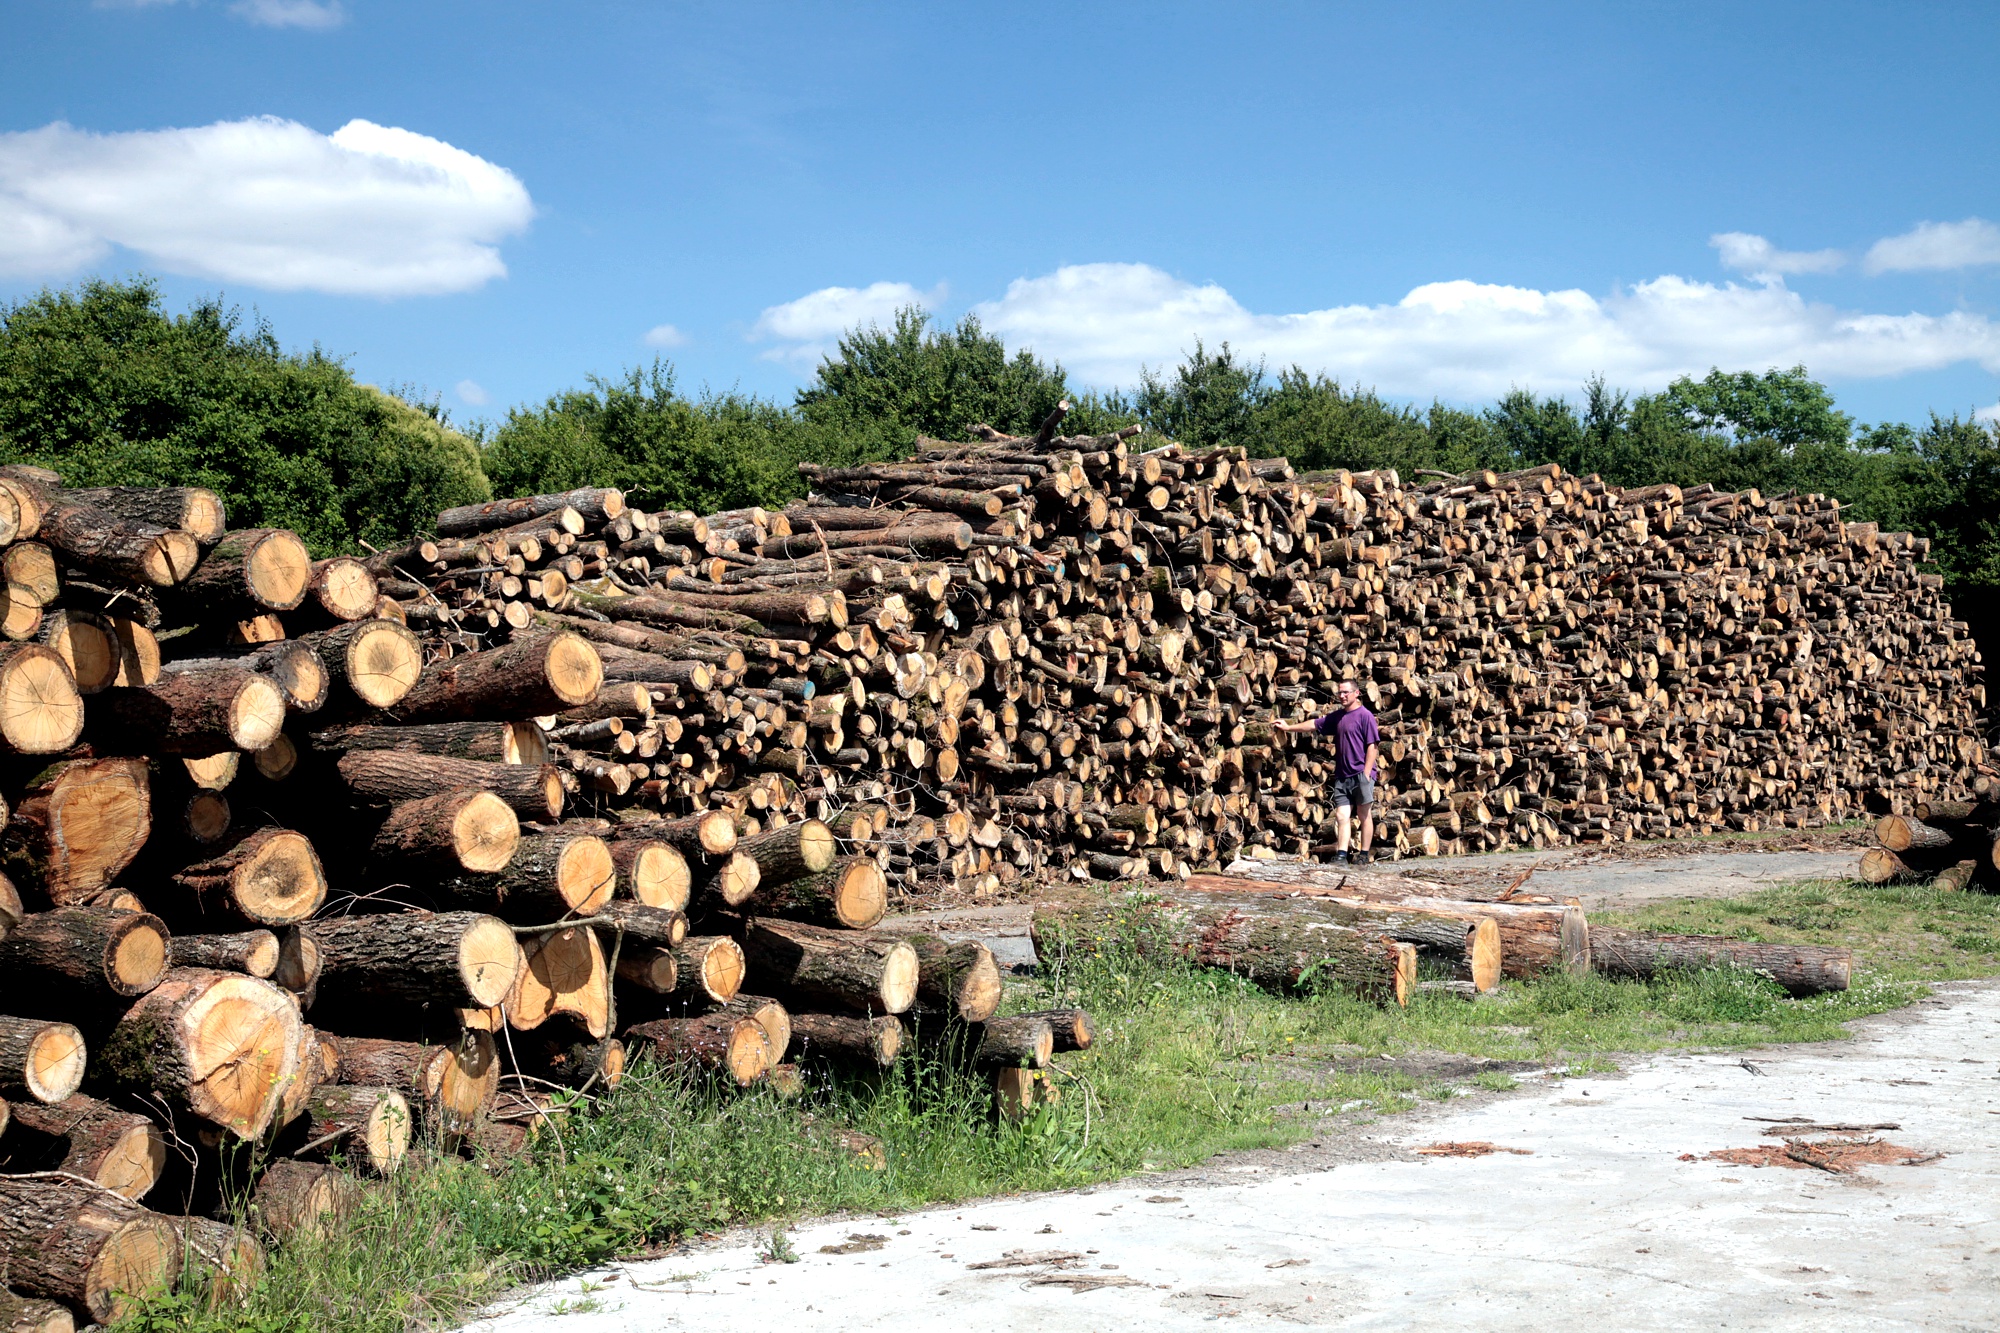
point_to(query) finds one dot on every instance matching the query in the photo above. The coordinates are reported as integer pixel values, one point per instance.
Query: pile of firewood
(1024, 655)
(290, 891)
(1950, 845)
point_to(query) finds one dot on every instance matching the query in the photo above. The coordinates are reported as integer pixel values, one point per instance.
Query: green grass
(1189, 1063)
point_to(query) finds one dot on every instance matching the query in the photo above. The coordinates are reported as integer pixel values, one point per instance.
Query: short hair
(1350, 685)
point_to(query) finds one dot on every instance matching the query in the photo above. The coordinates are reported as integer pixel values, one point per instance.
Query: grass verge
(1189, 1063)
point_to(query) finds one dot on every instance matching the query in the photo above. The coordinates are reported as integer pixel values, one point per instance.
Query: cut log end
(52, 1060)
(40, 709)
(655, 874)
(489, 961)
(575, 672)
(899, 979)
(256, 714)
(282, 881)
(384, 663)
(278, 569)
(1484, 955)
(485, 832)
(136, 953)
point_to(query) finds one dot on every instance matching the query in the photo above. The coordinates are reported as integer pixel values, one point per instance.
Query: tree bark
(78, 825)
(872, 1042)
(454, 832)
(807, 847)
(854, 896)
(462, 960)
(717, 1043)
(956, 978)
(249, 571)
(114, 1148)
(95, 1252)
(191, 509)
(371, 663)
(710, 968)
(1802, 969)
(40, 1059)
(854, 973)
(597, 504)
(217, 1045)
(484, 742)
(450, 1088)
(1282, 951)
(368, 1127)
(80, 960)
(1025, 1042)
(391, 777)
(253, 952)
(551, 875)
(1071, 1029)
(533, 675)
(295, 667)
(341, 589)
(193, 713)
(23, 1314)
(299, 1200)
(268, 876)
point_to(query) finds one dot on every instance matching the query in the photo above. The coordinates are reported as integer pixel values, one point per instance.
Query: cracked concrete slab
(1608, 1213)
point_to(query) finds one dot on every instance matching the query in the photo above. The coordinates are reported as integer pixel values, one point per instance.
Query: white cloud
(1747, 253)
(1990, 415)
(665, 335)
(291, 13)
(366, 211)
(809, 327)
(1936, 245)
(1468, 340)
(471, 394)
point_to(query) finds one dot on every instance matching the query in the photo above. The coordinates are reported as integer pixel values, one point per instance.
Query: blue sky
(493, 200)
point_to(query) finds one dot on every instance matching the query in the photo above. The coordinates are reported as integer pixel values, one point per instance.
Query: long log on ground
(80, 961)
(40, 1059)
(464, 960)
(719, 1043)
(373, 662)
(853, 895)
(1879, 865)
(390, 777)
(853, 973)
(252, 952)
(535, 674)
(368, 1127)
(1802, 969)
(122, 1151)
(449, 1087)
(78, 825)
(268, 876)
(807, 847)
(566, 973)
(249, 571)
(64, 1240)
(193, 713)
(484, 742)
(40, 709)
(217, 1045)
(453, 832)
(1904, 833)
(1286, 950)
(550, 876)
(871, 1042)
(1359, 882)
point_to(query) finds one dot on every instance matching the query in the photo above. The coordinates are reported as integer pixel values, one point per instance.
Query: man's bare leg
(1367, 825)
(1341, 820)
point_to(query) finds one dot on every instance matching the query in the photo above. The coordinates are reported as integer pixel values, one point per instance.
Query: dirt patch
(1840, 1157)
(1470, 1148)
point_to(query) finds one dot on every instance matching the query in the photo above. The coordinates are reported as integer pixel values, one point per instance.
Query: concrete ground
(1604, 880)
(1599, 1208)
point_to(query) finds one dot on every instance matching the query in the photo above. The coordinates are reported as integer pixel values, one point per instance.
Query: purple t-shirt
(1354, 730)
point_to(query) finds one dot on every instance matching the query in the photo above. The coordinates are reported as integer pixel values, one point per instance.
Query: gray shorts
(1354, 789)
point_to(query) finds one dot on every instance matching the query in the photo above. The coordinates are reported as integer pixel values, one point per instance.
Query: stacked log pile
(1950, 845)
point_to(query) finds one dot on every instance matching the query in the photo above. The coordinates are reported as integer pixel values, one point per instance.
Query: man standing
(1356, 760)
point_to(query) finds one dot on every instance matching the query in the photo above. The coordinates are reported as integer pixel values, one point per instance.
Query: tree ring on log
(40, 709)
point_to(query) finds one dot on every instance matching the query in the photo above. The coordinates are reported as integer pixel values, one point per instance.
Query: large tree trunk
(268, 876)
(190, 509)
(551, 875)
(709, 834)
(566, 973)
(40, 709)
(709, 968)
(721, 1043)
(80, 960)
(453, 832)
(1802, 969)
(249, 571)
(217, 1045)
(463, 960)
(126, 550)
(341, 589)
(390, 777)
(1284, 950)
(534, 674)
(40, 1059)
(78, 825)
(107, 1146)
(597, 504)
(192, 713)
(854, 895)
(374, 662)
(484, 742)
(872, 1042)
(294, 667)
(865, 974)
(955, 978)
(97, 1253)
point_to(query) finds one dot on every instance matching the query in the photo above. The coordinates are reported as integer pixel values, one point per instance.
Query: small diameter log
(367, 1127)
(852, 973)
(873, 1042)
(486, 742)
(249, 571)
(807, 847)
(566, 973)
(767, 1014)
(1802, 969)
(532, 675)
(1879, 865)
(460, 960)
(297, 1200)
(727, 881)
(718, 1043)
(122, 1151)
(449, 1088)
(649, 968)
(853, 895)
(390, 777)
(570, 1061)
(253, 952)
(1956, 878)
(92, 1250)
(653, 927)
(80, 959)
(1024, 1041)
(710, 968)
(232, 1257)
(1072, 1028)
(276, 761)
(217, 1045)
(40, 1060)
(269, 876)
(40, 709)
(1018, 1093)
(138, 652)
(1291, 950)
(87, 645)
(711, 833)
(78, 825)
(652, 873)
(456, 832)
(374, 662)
(294, 667)
(551, 875)
(340, 589)
(26, 1314)
(597, 504)
(1903, 833)
(190, 509)
(318, 1063)
(956, 977)
(193, 712)
(298, 964)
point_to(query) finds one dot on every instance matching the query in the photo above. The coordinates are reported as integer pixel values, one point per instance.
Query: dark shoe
(1340, 858)
(1364, 857)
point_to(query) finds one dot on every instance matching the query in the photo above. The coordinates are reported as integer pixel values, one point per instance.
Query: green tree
(1787, 406)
